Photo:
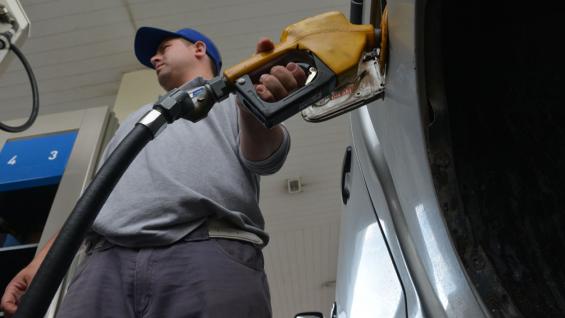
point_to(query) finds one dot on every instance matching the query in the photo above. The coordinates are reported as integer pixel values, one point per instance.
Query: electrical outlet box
(294, 185)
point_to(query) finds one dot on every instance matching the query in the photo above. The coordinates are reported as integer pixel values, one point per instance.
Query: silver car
(453, 188)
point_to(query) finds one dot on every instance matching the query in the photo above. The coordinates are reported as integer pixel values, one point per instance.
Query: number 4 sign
(13, 160)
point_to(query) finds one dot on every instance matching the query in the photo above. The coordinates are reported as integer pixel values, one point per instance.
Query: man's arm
(256, 141)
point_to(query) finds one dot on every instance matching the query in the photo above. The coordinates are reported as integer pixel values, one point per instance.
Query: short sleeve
(274, 162)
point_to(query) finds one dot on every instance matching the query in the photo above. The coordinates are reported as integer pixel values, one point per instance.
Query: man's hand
(257, 142)
(20, 283)
(281, 80)
(15, 290)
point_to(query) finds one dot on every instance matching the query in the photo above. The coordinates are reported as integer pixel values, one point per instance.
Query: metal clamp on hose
(154, 120)
(175, 104)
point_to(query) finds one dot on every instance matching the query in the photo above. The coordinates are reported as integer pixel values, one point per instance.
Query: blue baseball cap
(148, 39)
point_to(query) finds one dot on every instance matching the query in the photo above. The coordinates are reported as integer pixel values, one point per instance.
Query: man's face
(173, 59)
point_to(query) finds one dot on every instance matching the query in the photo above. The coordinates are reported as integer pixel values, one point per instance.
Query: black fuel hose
(34, 90)
(38, 297)
(356, 12)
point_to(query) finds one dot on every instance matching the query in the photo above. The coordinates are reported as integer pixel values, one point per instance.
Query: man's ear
(200, 48)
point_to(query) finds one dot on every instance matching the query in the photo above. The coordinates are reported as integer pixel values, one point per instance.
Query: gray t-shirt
(188, 173)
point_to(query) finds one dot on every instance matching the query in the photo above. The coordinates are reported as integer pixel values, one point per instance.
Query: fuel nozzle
(331, 47)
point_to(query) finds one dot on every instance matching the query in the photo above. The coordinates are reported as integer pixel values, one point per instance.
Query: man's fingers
(282, 80)
(274, 86)
(14, 291)
(298, 73)
(264, 93)
(285, 77)
(9, 301)
(264, 45)
(9, 309)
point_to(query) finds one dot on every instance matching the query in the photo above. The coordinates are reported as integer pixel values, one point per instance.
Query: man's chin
(164, 80)
(165, 86)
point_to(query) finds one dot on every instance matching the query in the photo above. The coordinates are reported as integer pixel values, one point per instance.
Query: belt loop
(200, 233)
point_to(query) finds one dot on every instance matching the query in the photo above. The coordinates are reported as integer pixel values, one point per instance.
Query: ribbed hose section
(46, 282)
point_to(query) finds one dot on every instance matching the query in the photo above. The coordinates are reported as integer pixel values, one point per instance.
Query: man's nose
(154, 59)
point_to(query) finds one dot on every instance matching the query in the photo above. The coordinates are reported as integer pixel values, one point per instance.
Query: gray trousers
(195, 277)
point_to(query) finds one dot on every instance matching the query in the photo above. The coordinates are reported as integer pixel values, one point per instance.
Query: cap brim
(147, 41)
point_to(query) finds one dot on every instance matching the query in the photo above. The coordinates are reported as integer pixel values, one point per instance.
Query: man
(181, 234)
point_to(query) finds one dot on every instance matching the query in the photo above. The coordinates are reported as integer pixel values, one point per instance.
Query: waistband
(208, 229)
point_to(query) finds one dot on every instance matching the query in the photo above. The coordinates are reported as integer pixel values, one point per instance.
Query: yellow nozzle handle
(329, 36)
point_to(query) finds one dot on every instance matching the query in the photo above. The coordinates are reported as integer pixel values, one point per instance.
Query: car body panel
(370, 280)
